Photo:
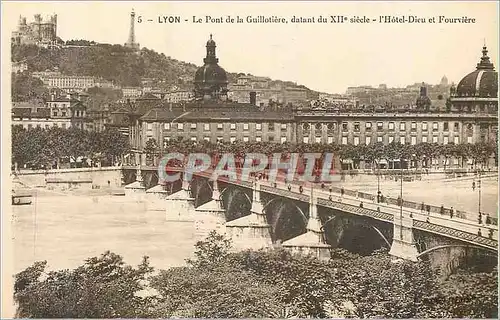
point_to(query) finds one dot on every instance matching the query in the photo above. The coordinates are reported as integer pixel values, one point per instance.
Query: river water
(67, 229)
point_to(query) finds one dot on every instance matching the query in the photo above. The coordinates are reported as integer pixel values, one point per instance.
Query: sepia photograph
(230, 159)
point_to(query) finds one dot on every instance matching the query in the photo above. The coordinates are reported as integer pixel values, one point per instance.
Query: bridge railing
(411, 204)
(372, 197)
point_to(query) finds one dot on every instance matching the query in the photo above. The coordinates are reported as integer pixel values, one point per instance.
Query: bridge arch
(236, 202)
(382, 236)
(201, 185)
(285, 224)
(340, 230)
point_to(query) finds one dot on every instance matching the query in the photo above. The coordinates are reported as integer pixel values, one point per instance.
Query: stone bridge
(306, 218)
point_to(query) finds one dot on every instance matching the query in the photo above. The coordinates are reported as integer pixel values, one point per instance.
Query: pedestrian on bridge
(488, 219)
(342, 191)
(473, 185)
(452, 212)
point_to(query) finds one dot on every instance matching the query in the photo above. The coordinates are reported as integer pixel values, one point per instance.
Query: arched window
(305, 126)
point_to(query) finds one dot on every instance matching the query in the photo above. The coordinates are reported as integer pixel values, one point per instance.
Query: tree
(27, 88)
(113, 144)
(215, 293)
(211, 251)
(42, 147)
(471, 295)
(447, 150)
(271, 283)
(151, 149)
(104, 287)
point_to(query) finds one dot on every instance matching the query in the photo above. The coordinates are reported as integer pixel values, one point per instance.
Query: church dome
(210, 80)
(210, 74)
(481, 83)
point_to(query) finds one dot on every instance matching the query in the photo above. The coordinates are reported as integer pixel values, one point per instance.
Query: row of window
(47, 126)
(402, 126)
(319, 126)
(63, 105)
(78, 113)
(402, 140)
(220, 126)
(356, 141)
(233, 139)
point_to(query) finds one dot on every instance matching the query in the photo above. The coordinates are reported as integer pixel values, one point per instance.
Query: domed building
(210, 80)
(477, 91)
(444, 81)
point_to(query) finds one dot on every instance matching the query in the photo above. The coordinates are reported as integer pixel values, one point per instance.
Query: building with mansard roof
(213, 117)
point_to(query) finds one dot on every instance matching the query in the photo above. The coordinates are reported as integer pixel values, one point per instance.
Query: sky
(323, 56)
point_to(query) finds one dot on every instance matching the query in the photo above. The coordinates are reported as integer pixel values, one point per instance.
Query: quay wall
(98, 176)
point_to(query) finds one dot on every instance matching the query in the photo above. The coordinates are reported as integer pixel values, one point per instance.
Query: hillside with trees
(112, 62)
(27, 88)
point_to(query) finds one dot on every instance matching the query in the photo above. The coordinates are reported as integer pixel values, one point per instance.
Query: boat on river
(21, 195)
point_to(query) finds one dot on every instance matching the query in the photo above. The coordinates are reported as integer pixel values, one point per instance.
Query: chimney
(253, 98)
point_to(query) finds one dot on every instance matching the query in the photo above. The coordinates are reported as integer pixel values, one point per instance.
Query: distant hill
(113, 62)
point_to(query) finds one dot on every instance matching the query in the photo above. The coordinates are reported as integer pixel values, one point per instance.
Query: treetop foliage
(42, 147)
(266, 283)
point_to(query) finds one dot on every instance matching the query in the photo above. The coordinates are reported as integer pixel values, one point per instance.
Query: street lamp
(401, 200)
(479, 199)
(378, 182)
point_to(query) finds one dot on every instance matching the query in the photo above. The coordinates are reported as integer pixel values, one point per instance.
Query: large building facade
(63, 112)
(471, 116)
(54, 79)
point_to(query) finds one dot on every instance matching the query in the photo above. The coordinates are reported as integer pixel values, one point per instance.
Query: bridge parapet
(457, 234)
(285, 193)
(356, 210)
